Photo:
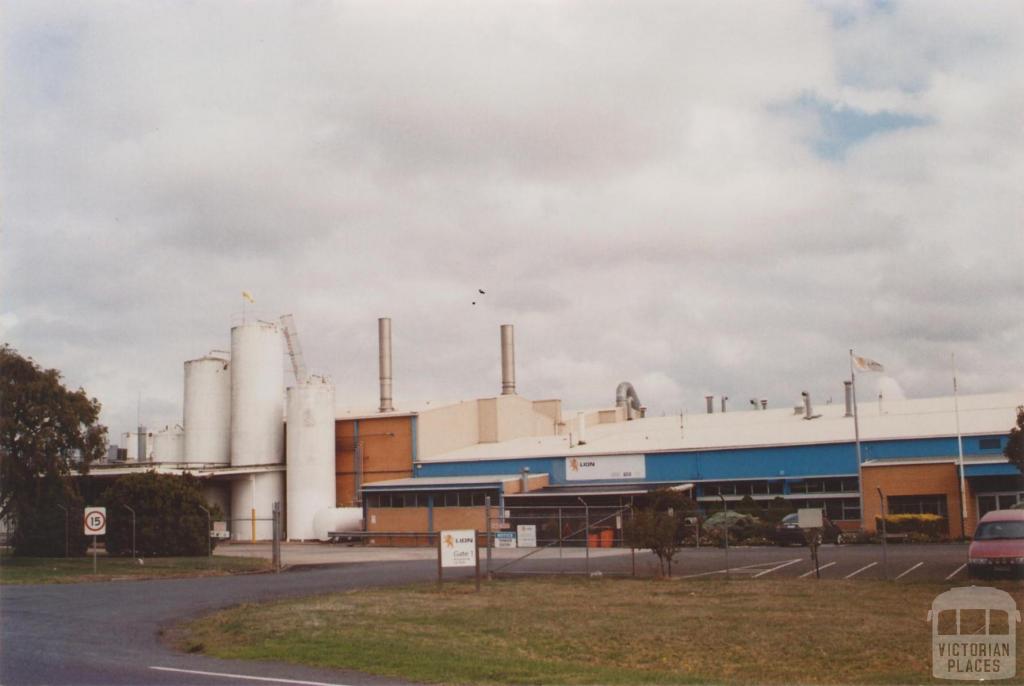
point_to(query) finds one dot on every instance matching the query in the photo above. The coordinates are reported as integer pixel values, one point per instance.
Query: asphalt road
(108, 633)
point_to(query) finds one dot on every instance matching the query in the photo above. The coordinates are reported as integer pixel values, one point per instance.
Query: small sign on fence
(527, 535)
(505, 539)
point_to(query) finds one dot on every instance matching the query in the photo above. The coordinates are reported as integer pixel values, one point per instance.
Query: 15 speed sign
(95, 521)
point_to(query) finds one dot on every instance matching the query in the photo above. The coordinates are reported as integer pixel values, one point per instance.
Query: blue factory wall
(796, 461)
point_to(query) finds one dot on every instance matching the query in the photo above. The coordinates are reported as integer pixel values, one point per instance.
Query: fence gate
(575, 539)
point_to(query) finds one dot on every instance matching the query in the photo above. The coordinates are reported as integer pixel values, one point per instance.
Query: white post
(960, 450)
(856, 439)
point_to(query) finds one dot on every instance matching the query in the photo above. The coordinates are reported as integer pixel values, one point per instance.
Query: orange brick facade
(918, 479)
(386, 446)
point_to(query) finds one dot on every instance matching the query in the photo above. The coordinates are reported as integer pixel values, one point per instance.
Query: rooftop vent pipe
(581, 432)
(525, 477)
(848, 389)
(625, 396)
(710, 400)
(508, 360)
(384, 336)
(724, 399)
(764, 403)
(807, 404)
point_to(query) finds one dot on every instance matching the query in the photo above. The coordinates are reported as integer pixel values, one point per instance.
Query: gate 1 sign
(95, 521)
(458, 548)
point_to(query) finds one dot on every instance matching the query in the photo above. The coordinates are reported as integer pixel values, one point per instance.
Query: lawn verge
(608, 631)
(62, 570)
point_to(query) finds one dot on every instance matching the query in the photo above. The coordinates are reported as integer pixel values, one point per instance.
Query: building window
(918, 504)
(990, 444)
(998, 501)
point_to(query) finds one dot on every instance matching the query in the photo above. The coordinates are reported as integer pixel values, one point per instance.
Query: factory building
(418, 469)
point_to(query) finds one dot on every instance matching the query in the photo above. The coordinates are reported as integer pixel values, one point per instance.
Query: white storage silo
(311, 471)
(207, 410)
(269, 488)
(257, 394)
(169, 445)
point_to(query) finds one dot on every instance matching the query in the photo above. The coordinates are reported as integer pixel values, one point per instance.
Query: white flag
(863, 364)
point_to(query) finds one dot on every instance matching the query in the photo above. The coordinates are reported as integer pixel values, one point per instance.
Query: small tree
(169, 518)
(1014, 450)
(46, 432)
(656, 527)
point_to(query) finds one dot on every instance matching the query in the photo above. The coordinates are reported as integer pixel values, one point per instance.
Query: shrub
(932, 526)
(50, 531)
(168, 518)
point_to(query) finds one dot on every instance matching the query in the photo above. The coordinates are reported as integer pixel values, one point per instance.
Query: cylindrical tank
(310, 437)
(218, 494)
(207, 414)
(257, 394)
(169, 445)
(269, 489)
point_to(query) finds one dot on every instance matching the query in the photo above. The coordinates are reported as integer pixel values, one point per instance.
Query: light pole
(725, 516)
(586, 542)
(885, 545)
(133, 529)
(209, 549)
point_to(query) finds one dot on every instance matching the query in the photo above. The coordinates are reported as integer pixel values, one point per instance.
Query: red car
(998, 545)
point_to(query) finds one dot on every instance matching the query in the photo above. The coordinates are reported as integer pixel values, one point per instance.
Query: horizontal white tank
(269, 489)
(207, 410)
(337, 519)
(169, 445)
(310, 451)
(257, 394)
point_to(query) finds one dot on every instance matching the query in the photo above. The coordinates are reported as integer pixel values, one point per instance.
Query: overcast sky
(717, 197)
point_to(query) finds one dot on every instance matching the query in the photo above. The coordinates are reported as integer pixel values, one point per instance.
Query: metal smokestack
(848, 389)
(710, 401)
(508, 360)
(384, 336)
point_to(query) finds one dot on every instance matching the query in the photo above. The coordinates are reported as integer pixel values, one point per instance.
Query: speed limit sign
(95, 521)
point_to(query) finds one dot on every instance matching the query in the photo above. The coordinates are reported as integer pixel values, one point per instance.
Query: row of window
(835, 508)
(998, 501)
(432, 499)
(775, 487)
(917, 504)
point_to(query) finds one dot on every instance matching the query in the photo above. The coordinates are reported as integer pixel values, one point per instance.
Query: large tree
(1014, 449)
(46, 431)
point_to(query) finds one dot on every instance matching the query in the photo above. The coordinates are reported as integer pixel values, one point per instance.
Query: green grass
(607, 631)
(61, 570)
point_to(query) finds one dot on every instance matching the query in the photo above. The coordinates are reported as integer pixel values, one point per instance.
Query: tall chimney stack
(848, 389)
(384, 337)
(508, 360)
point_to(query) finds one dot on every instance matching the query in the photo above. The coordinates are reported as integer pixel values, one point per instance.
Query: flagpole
(856, 438)
(960, 451)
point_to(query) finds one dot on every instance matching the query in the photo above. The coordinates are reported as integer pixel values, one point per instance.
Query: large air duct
(625, 396)
(508, 360)
(848, 389)
(384, 337)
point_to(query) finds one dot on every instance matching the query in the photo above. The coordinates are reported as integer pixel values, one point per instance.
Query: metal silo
(252, 505)
(257, 394)
(310, 436)
(207, 415)
(169, 445)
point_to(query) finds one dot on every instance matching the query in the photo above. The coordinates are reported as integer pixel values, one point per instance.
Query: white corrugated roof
(993, 413)
(428, 481)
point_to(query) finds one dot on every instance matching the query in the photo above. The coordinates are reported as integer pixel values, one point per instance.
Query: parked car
(998, 545)
(789, 531)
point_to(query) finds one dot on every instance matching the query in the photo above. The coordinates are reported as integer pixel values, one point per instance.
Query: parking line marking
(723, 571)
(226, 675)
(825, 566)
(908, 571)
(784, 564)
(853, 574)
(956, 571)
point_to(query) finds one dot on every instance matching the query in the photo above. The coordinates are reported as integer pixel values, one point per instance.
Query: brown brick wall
(387, 453)
(915, 479)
